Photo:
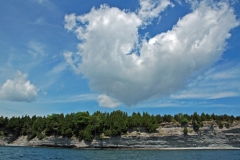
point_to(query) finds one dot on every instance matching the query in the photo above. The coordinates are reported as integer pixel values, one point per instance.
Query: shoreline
(129, 148)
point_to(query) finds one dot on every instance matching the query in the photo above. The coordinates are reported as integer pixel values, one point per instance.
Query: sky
(155, 56)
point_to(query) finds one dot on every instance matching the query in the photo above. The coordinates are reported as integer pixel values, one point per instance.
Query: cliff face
(166, 136)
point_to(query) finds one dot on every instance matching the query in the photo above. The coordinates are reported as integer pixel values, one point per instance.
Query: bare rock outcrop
(209, 136)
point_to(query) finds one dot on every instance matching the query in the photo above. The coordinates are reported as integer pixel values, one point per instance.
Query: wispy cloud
(42, 1)
(74, 98)
(83, 97)
(58, 68)
(221, 81)
(40, 21)
(36, 49)
(184, 103)
(192, 95)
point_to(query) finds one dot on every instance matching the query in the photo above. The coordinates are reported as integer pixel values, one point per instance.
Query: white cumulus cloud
(120, 65)
(18, 89)
(106, 101)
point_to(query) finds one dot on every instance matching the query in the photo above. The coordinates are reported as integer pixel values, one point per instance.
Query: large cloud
(110, 39)
(19, 89)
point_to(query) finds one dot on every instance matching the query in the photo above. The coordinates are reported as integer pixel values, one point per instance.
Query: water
(38, 153)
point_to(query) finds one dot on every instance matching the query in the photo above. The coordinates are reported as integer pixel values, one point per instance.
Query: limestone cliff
(167, 136)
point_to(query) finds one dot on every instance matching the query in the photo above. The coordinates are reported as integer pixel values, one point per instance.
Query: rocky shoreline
(166, 137)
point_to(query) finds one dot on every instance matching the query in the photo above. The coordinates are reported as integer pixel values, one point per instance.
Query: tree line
(85, 126)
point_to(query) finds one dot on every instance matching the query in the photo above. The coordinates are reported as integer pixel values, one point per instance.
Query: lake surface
(38, 153)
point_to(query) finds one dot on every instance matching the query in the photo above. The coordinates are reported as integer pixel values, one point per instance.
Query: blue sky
(158, 56)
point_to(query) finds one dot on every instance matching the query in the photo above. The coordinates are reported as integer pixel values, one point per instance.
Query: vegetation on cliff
(85, 126)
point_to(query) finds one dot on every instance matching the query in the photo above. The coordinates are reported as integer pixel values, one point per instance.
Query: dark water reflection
(39, 153)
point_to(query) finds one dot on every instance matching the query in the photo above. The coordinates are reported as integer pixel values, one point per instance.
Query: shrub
(185, 131)
(88, 137)
(220, 124)
(40, 136)
(101, 137)
(31, 136)
(196, 126)
(69, 132)
(108, 133)
(184, 121)
(173, 120)
(86, 134)
(138, 130)
(227, 125)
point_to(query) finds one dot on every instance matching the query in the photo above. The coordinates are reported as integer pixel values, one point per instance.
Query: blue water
(38, 153)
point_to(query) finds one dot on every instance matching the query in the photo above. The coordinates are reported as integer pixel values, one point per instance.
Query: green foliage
(159, 118)
(135, 120)
(220, 124)
(31, 135)
(167, 118)
(178, 117)
(40, 136)
(108, 132)
(203, 117)
(101, 137)
(185, 131)
(227, 125)
(14, 124)
(184, 121)
(86, 134)
(86, 126)
(53, 124)
(116, 123)
(3, 122)
(213, 117)
(208, 117)
(196, 121)
(196, 126)
(173, 120)
(152, 124)
(68, 133)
